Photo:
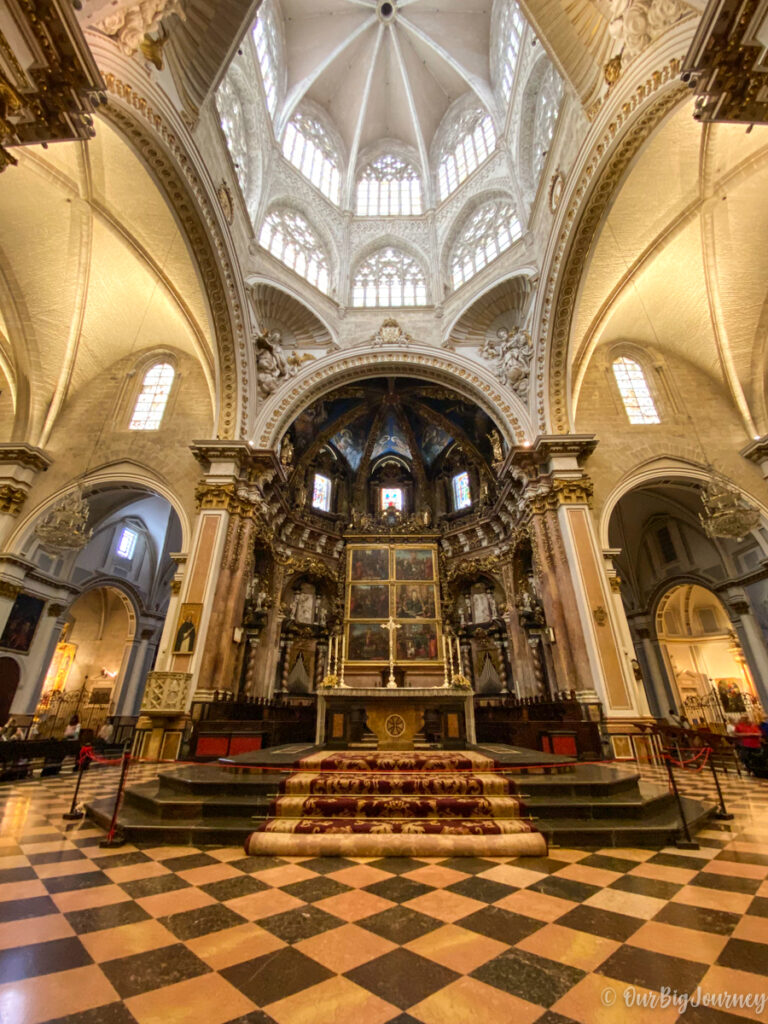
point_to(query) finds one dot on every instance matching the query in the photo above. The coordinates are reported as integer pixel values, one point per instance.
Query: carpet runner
(397, 803)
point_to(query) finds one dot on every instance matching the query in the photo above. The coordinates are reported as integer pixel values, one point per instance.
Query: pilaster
(19, 466)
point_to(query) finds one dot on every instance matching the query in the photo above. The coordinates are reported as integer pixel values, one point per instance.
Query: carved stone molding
(189, 198)
(55, 610)
(166, 693)
(580, 221)
(25, 455)
(11, 590)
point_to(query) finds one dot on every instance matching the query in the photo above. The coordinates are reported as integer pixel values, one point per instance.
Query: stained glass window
(545, 117)
(635, 395)
(387, 187)
(389, 278)
(308, 146)
(126, 545)
(490, 231)
(150, 405)
(461, 493)
(290, 238)
(321, 493)
(469, 143)
(392, 497)
(266, 40)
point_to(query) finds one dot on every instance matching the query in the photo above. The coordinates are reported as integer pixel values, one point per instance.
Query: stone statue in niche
(303, 605)
(481, 608)
(271, 364)
(492, 608)
(511, 353)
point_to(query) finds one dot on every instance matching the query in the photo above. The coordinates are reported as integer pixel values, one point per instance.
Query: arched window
(289, 237)
(387, 187)
(545, 117)
(490, 231)
(308, 146)
(150, 405)
(470, 142)
(462, 496)
(267, 42)
(321, 493)
(233, 126)
(389, 278)
(510, 35)
(637, 399)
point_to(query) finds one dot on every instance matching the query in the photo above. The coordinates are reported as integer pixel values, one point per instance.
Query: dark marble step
(653, 831)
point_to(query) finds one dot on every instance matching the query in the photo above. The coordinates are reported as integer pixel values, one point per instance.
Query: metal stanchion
(73, 814)
(721, 814)
(115, 837)
(688, 843)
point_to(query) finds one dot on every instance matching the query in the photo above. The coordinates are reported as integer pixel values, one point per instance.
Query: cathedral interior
(383, 486)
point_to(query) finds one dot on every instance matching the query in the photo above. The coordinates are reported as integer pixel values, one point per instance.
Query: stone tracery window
(635, 394)
(233, 125)
(470, 142)
(308, 146)
(510, 37)
(489, 232)
(291, 239)
(545, 117)
(389, 186)
(267, 42)
(389, 277)
(153, 397)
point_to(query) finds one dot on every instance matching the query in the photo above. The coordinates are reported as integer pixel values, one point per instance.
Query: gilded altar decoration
(330, 682)
(187, 629)
(460, 682)
(392, 610)
(64, 527)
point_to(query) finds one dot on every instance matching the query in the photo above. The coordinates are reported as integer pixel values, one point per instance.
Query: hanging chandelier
(64, 526)
(726, 513)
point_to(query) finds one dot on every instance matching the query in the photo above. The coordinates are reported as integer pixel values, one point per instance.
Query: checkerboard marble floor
(167, 934)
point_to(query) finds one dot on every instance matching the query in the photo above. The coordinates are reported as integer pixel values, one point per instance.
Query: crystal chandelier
(64, 527)
(726, 513)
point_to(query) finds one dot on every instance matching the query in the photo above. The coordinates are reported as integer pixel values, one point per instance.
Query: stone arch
(619, 138)
(102, 478)
(161, 142)
(323, 375)
(657, 472)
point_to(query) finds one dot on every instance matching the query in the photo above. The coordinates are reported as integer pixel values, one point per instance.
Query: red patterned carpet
(397, 802)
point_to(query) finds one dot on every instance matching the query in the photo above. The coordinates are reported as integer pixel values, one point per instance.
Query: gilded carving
(11, 499)
(10, 590)
(600, 615)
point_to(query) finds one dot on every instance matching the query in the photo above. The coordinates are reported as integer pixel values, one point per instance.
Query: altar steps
(572, 805)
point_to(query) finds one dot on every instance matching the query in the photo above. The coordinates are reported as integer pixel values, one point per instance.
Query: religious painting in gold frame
(368, 601)
(415, 601)
(367, 642)
(415, 563)
(370, 562)
(417, 641)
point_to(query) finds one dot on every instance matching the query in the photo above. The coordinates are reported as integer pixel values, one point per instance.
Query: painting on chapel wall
(187, 629)
(22, 622)
(399, 582)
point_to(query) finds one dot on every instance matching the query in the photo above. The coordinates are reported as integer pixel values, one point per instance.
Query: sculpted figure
(129, 26)
(512, 352)
(271, 364)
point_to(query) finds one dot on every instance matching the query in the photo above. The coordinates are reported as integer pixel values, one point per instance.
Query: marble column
(137, 661)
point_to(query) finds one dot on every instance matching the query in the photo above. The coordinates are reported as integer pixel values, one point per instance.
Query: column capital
(757, 451)
(550, 453)
(19, 465)
(26, 456)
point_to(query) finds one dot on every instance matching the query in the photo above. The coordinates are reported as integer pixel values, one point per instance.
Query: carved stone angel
(271, 364)
(511, 352)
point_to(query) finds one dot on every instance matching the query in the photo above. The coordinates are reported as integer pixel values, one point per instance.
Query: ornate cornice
(588, 200)
(559, 492)
(187, 194)
(25, 455)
